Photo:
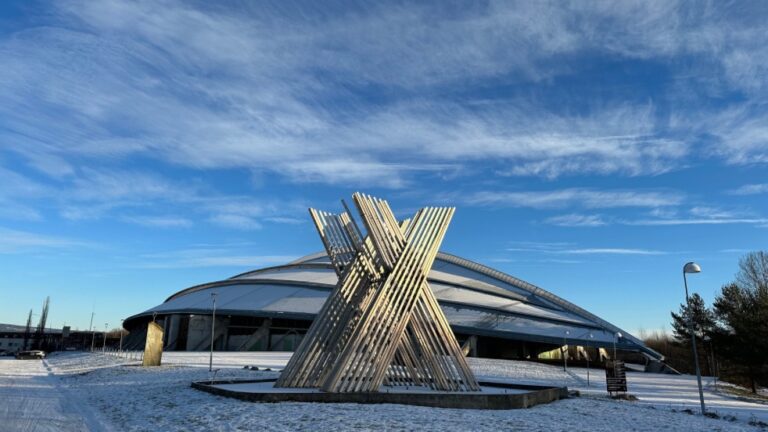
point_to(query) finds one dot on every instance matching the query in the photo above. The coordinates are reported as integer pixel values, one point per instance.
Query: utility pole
(104, 345)
(121, 336)
(213, 332)
(93, 333)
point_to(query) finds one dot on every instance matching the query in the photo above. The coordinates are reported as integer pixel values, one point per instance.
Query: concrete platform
(496, 396)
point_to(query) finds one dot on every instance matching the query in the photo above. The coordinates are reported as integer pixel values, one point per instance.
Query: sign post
(615, 377)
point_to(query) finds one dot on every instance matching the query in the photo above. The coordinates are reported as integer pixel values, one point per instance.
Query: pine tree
(703, 327)
(741, 310)
(703, 320)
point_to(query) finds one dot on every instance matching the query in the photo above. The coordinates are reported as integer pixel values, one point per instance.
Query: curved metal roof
(476, 300)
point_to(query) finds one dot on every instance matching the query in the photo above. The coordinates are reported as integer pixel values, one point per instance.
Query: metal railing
(133, 355)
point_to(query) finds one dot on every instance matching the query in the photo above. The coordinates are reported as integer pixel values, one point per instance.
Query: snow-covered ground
(78, 391)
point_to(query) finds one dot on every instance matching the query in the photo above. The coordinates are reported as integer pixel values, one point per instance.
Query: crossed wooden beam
(382, 323)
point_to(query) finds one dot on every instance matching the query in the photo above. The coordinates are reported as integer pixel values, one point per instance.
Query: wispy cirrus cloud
(564, 248)
(16, 241)
(698, 221)
(252, 80)
(576, 220)
(664, 216)
(750, 189)
(160, 221)
(237, 221)
(611, 251)
(575, 197)
(140, 197)
(209, 256)
(700, 215)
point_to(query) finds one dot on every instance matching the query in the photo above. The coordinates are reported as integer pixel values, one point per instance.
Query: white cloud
(535, 141)
(210, 256)
(611, 251)
(160, 221)
(10, 209)
(742, 134)
(750, 189)
(235, 221)
(564, 248)
(576, 220)
(697, 221)
(139, 197)
(257, 88)
(286, 220)
(588, 198)
(15, 241)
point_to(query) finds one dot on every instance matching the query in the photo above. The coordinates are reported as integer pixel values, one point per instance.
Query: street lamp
(615, 339)
(692, 267)
(565, 350)
(213, 331)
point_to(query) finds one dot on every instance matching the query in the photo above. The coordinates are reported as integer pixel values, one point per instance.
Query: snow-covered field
(79, 391)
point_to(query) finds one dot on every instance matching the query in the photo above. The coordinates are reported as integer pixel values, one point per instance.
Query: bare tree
(753, 271)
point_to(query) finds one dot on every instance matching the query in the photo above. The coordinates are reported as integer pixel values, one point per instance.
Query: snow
(665, 391)
(34, 399)
(80, 391)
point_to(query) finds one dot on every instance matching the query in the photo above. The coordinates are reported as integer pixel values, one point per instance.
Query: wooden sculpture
(382, 323)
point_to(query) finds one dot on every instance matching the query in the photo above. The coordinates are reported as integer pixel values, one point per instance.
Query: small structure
(616, 377)
(153, 349)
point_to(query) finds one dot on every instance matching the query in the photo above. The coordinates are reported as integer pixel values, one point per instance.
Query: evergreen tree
(703, 320)
(703, 327)
(741, 310)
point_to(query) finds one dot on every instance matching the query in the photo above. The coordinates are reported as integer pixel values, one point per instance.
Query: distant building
(12, 339)
(11, 342)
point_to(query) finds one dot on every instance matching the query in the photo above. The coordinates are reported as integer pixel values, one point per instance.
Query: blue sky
(590, 148)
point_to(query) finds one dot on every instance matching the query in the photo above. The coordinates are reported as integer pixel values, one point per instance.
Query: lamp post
(213, 331)
(711, 359)
(591, 336)
(692, 267)
(565, 350)
(104, 345)
(121, 337)
(615, 339)
(93, 333)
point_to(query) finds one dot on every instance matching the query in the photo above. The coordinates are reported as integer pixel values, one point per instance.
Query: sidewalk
(33, 400)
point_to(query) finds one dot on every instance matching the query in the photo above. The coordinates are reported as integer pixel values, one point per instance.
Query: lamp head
(691, 267)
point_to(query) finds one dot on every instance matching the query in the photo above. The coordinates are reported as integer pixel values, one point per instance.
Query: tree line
(731, 334)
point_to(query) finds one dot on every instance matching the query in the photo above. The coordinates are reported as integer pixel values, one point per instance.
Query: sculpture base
(492, 396)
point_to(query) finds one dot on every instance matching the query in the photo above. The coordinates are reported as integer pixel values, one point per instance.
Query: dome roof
(475, 299)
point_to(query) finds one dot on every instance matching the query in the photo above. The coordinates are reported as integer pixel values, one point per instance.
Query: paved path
(34, 399)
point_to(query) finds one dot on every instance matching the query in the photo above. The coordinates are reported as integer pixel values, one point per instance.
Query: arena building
(492, 313)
